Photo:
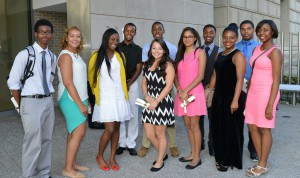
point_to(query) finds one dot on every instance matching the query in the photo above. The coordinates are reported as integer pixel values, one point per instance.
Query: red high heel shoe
(104, 168)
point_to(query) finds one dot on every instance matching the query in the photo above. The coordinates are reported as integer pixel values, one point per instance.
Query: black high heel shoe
(221, 167)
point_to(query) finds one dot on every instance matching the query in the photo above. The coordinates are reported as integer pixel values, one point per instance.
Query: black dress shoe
(120, 150)
(154, 169)
(253, 156)
(165, 158)
(193, 167)
(132, 151)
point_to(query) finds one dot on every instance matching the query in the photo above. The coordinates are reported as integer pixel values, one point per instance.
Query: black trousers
(201, 124)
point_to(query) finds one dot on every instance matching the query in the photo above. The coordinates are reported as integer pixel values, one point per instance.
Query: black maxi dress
(227, 128)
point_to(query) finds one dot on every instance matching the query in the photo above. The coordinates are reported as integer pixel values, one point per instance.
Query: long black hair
(181, 46)
(102, 53)
(164, 59)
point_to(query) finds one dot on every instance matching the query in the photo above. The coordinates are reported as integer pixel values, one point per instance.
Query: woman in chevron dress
(157, 84)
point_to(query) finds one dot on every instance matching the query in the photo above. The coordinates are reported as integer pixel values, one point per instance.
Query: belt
(36, 96)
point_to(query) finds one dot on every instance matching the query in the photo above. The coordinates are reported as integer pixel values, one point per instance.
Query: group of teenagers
(232, 86)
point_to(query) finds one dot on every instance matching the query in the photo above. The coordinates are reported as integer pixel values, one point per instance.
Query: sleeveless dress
(69, 108)
(164, 112)
(113, 104)
(187, 71)
(260, 90)
(227, 128)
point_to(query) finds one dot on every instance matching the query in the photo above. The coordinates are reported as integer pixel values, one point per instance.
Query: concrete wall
(228, 11)
(174, 14)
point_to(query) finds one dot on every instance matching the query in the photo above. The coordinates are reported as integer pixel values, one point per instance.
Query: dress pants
(201, 124)
(171, 137)
(37, 117)
(133, 123)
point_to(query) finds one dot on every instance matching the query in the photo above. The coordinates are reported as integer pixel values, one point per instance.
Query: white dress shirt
(33, 85)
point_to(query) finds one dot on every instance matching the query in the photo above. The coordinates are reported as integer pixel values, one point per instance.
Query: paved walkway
(284, 157)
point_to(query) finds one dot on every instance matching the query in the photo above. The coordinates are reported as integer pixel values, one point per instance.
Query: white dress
(113, 104)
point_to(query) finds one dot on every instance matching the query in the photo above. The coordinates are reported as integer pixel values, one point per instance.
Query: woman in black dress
(157, 83)
(228, 103)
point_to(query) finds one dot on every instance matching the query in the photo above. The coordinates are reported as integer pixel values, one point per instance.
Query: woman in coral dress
(263, 94)
(190, 64)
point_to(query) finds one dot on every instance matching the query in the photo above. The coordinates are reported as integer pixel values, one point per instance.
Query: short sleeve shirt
(133, 55)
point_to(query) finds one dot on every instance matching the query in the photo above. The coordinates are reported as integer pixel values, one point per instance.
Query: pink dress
(260, 90)
(187, 71)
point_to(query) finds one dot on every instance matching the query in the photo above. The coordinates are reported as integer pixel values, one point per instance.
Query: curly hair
(64, 42)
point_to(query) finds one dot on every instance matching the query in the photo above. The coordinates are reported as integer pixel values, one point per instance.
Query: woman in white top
(73, 97)
(107, 79)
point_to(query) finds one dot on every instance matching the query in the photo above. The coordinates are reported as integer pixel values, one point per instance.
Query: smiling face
(188, 38)
(209, 35)
(129, 32)
(74, 38)
(157, 31)
(247, 31)
(229, 39)
(113, 41)
(157, 51)
(265, 33)
(43, 35)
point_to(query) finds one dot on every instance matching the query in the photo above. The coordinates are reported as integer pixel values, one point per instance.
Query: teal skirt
(72, 114)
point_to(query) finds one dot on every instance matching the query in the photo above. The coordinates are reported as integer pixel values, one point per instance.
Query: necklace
(225, 54)
(75, 54)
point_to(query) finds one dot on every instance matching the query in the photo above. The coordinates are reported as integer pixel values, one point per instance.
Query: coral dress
(260, 90)
(187, 71)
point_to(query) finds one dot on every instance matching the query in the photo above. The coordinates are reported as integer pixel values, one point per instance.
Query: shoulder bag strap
(253, 64)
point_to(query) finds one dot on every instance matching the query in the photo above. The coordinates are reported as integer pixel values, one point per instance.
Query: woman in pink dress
(190, 65)
(263, 94)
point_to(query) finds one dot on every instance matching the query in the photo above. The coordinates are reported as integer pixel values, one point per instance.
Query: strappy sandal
(249, 168)
(221, 167)
(255, 174)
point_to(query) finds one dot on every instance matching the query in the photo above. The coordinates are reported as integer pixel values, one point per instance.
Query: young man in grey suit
(36, 102)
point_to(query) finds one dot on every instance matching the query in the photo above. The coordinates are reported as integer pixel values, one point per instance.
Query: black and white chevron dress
(164, 112)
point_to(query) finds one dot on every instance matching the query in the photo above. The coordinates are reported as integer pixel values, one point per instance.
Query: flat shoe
(104, 168)
(115, 168)
(154, 169)
(165, 158)
(193, 167)
(182, 159)
(78, 175)
(82, 168)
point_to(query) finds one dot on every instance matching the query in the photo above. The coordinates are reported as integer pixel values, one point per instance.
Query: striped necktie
(45, 85)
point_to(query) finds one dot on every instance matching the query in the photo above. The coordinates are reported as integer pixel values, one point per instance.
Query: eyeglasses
(48, 32)
(187, 37)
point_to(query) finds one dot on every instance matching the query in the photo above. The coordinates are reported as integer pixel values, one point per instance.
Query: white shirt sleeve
(17, 71)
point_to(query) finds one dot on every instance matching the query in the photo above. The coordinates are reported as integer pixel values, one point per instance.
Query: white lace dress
(113, 104)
